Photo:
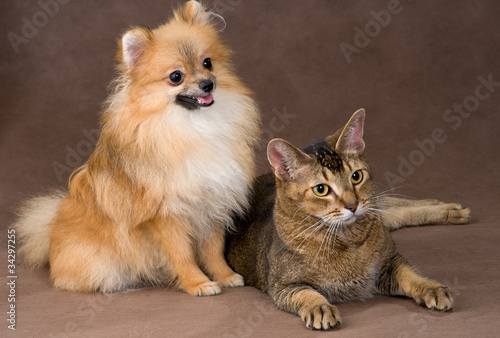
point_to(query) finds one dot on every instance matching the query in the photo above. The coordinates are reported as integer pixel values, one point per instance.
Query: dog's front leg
(177, 245)
(211, 254)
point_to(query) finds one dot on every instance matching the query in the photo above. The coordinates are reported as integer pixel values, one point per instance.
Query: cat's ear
(133, 44)
(287, 161)
(350, 138)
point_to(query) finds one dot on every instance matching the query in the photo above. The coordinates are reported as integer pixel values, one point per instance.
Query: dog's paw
(456, 213)
(321, 317)
(203, 289)
(232, 280)
(437, 298)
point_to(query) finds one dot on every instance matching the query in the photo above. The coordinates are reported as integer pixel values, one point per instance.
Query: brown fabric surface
(414, 70)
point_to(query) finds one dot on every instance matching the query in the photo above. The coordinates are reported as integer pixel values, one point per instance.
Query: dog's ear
(192, 11)
(132, 46)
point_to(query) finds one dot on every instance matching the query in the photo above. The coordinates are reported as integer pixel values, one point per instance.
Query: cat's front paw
(437, 298)
(321, 317)
(456, 213)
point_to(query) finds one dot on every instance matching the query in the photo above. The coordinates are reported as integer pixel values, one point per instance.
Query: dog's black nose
(207, 86)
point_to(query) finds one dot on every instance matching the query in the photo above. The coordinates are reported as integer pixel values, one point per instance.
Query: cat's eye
(321, 190)
(357, 177)
(207, 63)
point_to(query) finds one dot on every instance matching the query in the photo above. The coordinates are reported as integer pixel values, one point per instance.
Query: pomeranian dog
(173, 164)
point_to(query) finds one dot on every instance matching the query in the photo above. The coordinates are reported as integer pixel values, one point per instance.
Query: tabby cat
(317, 234)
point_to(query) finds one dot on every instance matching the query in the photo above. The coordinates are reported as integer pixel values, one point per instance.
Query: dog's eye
(176, 77)
(207, 63)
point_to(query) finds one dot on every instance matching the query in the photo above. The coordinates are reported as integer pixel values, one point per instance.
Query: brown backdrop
(427, 73)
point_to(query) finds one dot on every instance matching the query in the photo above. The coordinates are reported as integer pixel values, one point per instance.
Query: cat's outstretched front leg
(400, 212)
(400, 279)
(310, 305)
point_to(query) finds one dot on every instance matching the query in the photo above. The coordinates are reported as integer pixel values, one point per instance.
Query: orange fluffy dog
(173, 164)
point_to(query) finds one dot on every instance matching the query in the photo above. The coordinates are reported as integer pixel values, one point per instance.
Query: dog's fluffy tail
(33, 228)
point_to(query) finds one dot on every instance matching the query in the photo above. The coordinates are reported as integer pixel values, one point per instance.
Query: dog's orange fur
(152, 203)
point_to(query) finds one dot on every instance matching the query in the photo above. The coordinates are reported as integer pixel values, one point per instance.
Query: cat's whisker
(327, 245)
(295, 237)
(387, 212)
(336, 227)
(317, 229)
(328, 236)
(339, 226)
(391, 189)
(323, 240)
(382, 198)
(312, 234)
(388, 194)
(372, 213)
(298, 209)
(305, 219)
(376, 214)
(380, 203)
(333, 228)
(386, 199)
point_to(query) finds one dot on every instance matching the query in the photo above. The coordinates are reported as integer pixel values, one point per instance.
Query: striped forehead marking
(329, 159)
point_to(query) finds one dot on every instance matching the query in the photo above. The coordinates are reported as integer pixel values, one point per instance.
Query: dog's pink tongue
(206, 99)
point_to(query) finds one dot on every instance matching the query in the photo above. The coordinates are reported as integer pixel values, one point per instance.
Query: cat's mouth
(349, 219)
(346, 218)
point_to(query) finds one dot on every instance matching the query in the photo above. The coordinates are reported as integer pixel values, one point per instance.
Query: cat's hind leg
(310, 305)
(401, 212)
(400, 279)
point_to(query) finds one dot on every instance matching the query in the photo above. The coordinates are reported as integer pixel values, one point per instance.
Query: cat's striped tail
(33, 228)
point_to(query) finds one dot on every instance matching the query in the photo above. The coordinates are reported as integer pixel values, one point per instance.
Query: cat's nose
(353, 206)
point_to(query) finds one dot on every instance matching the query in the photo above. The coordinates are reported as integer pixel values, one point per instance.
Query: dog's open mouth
(195, 102)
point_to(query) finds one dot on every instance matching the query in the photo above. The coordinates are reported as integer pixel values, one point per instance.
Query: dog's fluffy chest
(208, 167)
